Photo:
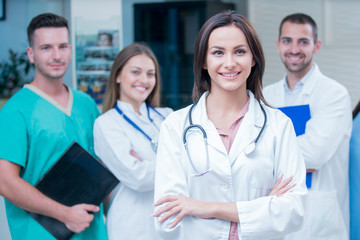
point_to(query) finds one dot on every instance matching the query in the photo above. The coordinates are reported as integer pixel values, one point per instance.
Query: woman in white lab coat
(234, 191)
(125, 139)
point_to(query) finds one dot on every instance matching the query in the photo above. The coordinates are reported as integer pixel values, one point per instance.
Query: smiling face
(137, 80)
(50, 52)
(297, 47)
(228, 60)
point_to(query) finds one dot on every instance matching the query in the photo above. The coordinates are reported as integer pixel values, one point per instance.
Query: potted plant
(13, 72)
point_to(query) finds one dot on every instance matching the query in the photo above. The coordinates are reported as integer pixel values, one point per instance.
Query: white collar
(42, 94)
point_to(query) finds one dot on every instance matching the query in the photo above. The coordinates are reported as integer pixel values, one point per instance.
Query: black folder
(76, 177)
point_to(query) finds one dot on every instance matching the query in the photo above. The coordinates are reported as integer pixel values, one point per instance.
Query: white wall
(339, 29)
(13, 28)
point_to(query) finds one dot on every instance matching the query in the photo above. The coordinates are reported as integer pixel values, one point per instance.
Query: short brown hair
(300, 18)
(45, 20)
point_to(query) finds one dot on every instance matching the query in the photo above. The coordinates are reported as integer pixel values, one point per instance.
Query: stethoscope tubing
(192, 125)
(264, 124)
(198, 126)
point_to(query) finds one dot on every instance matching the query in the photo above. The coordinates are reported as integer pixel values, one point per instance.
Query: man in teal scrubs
(37, 125)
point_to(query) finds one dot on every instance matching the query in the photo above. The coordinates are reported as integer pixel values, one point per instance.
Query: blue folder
(299, 116)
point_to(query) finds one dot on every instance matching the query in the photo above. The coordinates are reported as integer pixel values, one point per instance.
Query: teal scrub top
(34, 133)
(354, 174)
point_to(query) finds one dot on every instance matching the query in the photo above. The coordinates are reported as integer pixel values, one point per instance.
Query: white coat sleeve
(169, 178)
(113, 147)
(328, 126)
(271, 217)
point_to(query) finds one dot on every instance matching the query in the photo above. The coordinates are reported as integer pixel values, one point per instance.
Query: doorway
(170, 30)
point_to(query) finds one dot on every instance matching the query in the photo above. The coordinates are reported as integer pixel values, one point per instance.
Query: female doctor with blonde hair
(228, 167)
(125, 140)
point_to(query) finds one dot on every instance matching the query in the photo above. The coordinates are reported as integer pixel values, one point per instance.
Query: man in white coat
(325, 143)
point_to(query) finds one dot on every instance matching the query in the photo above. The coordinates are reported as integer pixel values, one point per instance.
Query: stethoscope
(153, 143)
(248, 150)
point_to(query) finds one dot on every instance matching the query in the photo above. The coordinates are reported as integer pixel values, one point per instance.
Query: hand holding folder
(299, 116)
(75, 178)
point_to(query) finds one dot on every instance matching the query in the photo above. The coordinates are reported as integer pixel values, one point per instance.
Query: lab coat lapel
(214, 139)
(309, 85)
(200, 117)
(279, 100)
(248, 130)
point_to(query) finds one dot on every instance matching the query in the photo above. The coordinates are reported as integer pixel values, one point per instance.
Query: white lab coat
(325, 147)
(234, 177)
(129, 216)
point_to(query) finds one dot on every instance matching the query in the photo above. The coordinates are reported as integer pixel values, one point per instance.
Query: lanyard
(153, 142)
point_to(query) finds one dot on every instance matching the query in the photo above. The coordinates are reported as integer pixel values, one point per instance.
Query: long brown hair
(202, 82)
(113, 88)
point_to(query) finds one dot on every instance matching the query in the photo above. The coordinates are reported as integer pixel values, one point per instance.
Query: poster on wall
(97, 44)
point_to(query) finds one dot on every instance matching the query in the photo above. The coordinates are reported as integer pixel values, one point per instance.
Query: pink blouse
(227, 139)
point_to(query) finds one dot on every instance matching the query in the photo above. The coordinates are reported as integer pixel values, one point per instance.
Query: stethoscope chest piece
(154, 145)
